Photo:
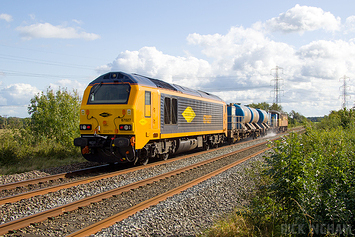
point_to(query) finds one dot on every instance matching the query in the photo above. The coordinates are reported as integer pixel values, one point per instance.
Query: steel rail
(98, 226)
(38, 217)
(48, 178)
(21, 196)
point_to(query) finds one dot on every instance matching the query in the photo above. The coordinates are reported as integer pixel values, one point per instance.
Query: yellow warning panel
(189, 114)
(143, 121)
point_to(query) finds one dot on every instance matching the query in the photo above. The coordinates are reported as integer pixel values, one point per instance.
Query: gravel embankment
(5, 179)
(192, 211)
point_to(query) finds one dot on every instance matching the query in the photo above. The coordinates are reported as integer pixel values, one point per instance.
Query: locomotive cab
(111, 104)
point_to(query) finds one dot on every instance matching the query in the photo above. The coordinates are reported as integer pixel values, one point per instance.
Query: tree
(2, 122)
(55, 115)
(15, 122)
(265, 106)
(295, 118)
(276, 107)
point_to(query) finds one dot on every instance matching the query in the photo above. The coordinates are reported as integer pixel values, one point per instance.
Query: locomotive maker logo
(189, 114)
(104, 114)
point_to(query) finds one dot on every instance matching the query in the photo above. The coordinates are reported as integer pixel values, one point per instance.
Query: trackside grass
(18, 153)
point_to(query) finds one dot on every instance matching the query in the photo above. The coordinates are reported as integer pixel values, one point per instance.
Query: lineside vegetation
(46, 138)
(306, 187)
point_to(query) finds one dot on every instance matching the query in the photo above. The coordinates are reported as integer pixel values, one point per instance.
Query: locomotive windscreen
(109, 94)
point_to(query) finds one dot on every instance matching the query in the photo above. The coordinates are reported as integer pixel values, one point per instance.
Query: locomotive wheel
(142, 157)
(206, 147)
(164, 156)
(143, 160)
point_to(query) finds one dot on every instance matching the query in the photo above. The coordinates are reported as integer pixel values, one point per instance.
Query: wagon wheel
(206, 147)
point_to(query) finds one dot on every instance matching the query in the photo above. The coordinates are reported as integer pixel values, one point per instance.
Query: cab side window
(148, 104)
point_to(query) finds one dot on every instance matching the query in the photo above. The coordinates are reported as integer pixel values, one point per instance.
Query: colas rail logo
(105, 114)
(189, 114)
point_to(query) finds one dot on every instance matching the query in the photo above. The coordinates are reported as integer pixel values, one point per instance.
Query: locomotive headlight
(85, 127)
(125, 127)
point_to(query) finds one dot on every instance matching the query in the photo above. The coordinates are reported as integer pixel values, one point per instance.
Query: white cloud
(245, 54)
(70, 85)
(349, 25)
(327, 59)
(15, 98)
(14, 111)
(154, 63)
(46, 30)
(32, 16)
(79, 22)
(6, 17)
(240, 62)
(17, 94)
(303, 18)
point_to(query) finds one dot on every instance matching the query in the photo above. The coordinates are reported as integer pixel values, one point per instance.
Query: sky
(228, 48)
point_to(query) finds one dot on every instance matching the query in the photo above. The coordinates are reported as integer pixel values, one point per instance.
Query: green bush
(309, 182)
(49, 133)
(8, 149)
(55, 115)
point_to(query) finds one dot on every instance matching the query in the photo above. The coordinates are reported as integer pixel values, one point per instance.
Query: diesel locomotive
(132, 118)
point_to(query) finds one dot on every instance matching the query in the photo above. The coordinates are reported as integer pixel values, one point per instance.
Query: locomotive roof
(112, 77)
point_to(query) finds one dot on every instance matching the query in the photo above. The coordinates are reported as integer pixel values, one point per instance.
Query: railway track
(172, 181)
(28, 186)
(69, 218)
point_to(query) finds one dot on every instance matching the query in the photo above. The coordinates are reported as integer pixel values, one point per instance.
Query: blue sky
(224, 47)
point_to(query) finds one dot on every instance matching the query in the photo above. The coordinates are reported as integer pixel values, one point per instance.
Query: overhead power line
(5, 73)
(51, 63)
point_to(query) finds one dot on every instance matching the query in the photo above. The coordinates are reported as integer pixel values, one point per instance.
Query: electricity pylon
(277, 84)
(344, 89)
